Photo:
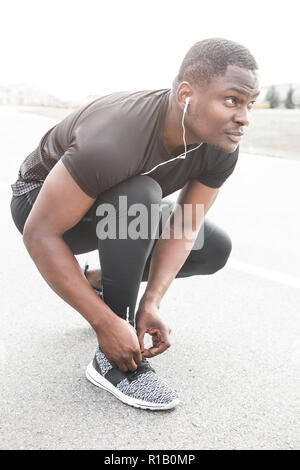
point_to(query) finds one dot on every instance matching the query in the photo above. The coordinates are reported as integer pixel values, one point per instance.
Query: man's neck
(172, 131)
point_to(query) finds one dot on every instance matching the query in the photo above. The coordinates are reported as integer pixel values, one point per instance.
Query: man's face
(219, 112)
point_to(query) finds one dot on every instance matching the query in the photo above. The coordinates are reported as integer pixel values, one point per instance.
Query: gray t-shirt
(116, 137)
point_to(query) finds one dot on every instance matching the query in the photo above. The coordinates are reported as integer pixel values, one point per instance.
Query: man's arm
(59, 206)
(167, 259)
(169, 255)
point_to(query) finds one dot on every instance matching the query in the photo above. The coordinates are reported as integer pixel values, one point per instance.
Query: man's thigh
(82, 238)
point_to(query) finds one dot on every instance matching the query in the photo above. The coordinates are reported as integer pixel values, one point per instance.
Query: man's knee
(221, 255)
(215, 257)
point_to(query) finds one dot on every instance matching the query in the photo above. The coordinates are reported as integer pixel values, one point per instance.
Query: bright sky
(73, 48)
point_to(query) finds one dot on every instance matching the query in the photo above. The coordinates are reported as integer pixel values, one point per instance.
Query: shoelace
(142, 368)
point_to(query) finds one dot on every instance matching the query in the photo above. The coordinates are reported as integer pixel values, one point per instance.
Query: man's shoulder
(121, 98)
(120, 113)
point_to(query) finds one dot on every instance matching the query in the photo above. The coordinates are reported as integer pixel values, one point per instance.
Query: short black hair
(210, 58)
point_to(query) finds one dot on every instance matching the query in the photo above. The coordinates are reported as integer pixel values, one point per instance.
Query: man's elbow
(31, 239)
(34, 239)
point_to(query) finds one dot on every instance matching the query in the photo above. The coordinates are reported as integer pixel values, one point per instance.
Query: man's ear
(184, 94)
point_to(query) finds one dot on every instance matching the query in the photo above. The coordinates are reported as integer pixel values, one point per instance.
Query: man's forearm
(60, 269)
(170, 253)
(167, 259)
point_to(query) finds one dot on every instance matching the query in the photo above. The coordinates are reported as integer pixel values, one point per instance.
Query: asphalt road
(235, 355)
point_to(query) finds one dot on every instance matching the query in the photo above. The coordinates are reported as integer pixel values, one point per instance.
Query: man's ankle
(94, 278)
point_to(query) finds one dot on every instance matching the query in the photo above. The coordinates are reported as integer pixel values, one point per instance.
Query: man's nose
(242, 117)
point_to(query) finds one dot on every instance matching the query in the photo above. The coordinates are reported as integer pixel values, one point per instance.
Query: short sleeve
(94, 159)
(81, 171)
(218, 167)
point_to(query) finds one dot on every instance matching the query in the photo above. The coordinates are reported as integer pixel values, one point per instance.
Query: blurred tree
(273, 97)
(289, 103)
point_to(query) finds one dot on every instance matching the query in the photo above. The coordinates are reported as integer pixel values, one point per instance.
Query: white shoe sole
(97, 379)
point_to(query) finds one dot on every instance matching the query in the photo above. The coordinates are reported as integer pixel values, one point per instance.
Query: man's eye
(231, 100)
(251, 104)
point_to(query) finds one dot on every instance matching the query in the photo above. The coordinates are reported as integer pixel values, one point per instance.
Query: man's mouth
(234, 136)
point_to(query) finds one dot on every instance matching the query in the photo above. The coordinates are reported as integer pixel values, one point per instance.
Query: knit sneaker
(141, 388)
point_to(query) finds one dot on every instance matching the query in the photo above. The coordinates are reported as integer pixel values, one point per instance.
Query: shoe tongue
(142, 368)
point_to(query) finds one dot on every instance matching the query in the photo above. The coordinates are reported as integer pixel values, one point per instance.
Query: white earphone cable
(184, 154)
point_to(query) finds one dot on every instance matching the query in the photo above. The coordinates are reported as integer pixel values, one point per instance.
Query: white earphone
(187, 100)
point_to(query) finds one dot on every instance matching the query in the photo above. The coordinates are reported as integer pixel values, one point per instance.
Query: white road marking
(270, 275)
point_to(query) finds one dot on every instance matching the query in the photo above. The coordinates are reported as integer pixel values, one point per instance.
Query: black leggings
(125, 262)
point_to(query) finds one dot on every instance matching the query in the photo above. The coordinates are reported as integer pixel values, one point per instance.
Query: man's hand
(120, 344)
(148, 321)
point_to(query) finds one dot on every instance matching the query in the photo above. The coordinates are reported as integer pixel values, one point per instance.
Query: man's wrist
(104, 321)
(151, 297)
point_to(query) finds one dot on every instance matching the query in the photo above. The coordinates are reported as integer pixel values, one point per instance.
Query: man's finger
(155, 350)
(131, 365)
(141, 335)
(122, 366)
(156, 335)
(138, 357)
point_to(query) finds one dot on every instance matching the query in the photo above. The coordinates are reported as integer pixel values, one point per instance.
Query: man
(141, 146)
